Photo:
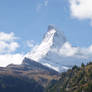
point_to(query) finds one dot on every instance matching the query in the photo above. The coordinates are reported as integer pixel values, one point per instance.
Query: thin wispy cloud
(31, 43)
(39, 6)
(8, 42)
(7, 36)
(45, 2)
(42, 5)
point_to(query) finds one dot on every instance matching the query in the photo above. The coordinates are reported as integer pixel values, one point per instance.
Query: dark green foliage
(74, 80)
(82, 65)
(89, 87)
(75, 67)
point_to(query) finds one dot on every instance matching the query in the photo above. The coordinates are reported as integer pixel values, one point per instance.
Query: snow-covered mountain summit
(53, 39)
(56, 52)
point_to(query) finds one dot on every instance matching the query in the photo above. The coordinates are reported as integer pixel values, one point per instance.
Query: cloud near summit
(67, 50)
(9, 45)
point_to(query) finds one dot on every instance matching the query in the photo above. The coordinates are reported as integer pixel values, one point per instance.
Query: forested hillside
(77, 79)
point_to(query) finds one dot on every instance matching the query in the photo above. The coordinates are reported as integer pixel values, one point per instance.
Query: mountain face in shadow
(30, 76)
(9, 83)
(31, 65)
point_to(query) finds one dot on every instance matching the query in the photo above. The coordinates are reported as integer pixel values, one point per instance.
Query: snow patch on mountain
(52, 39)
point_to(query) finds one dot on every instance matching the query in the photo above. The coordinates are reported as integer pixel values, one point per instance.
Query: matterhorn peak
(53, 39)
(43, 53)
(51, 27)
(48, 52)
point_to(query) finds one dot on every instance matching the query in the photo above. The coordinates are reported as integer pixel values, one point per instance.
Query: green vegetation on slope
(77, 79)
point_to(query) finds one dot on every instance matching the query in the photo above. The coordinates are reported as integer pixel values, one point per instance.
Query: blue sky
(29, 19)
(28, 23)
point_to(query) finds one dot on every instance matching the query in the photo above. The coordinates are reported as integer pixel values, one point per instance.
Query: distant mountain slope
(9, 83)
(74, 80)
(34, 72)
(31, 65)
